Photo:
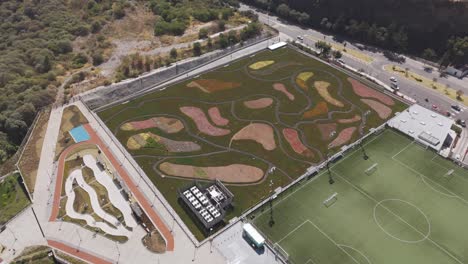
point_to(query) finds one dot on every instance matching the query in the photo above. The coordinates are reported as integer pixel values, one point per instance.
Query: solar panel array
(202, 204)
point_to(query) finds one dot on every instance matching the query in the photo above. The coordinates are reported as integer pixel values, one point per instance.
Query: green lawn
(282, 113)
(409, 210)
(13, 197)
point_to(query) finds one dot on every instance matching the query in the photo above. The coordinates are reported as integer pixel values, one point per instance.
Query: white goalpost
(371, 169)
(449, 174)
(330, 200)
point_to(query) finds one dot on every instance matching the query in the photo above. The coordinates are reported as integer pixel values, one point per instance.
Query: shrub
(79, 60)
(97, 59)
(202, 33)
(173, 53)
(197, 49)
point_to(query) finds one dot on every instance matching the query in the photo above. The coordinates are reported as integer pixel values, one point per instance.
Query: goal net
(421, 143)
(449, 174)
(371, 169)
(330, 200)
(280, 252)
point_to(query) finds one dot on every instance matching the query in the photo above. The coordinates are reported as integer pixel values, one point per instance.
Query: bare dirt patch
(166, 124)
(260, 64)
(326, 130)
(292, 137)
(202, 123)
(212, 85)
(282, 88)
(150, 140)
(353, 119)
(29, 161)
(258, 132)
(320, 109)
(364, 91)
(258, 103)
(322, 89)
(382, 110)
(154, 242)
(343, 137)
(71, 117)
(234, 173)
(216, 117)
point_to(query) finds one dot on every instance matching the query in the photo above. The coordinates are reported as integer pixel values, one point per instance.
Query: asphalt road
(375, 68)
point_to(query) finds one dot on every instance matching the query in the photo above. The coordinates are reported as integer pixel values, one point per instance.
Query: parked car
(301, 38)
(393, 79)
(461, 122)
(456, 108)
(341, 61)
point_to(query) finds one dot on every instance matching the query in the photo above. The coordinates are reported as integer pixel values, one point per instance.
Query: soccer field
(411, 209)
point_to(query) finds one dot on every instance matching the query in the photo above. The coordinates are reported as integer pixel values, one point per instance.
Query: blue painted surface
(79, 134)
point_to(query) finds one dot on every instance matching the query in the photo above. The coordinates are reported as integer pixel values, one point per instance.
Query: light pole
(272, 220)
(330, 178)
(79, 243)
(118, 251)
(364, 154)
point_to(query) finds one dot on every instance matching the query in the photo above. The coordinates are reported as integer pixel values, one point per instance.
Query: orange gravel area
(166, 124)
(364, 91)
(202, 123)
(343, 137)
(382, 110)
(258, 132)
(234, 173)
(212, 85)
(322, 89)
(78, 253)
(302, 79)
(137, 194)
(320, 109)
(258, 103)
(216, 117)
(281, 88)
(349, 120)
(292, 137)
(260, 64)
(326, 130)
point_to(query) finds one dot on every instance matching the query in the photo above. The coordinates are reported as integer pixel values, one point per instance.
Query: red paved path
(94, 139)
(76, 252)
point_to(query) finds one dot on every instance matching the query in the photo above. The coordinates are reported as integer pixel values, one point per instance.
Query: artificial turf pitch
(409, 210)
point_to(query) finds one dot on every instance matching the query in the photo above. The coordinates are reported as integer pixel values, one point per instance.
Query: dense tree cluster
(36, 46)
(400, 25)
(174, 16)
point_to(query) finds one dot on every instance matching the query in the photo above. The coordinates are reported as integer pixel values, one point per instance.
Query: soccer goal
(449, 174)
(371, 169)
(421, 143)
(281, 253)
(330, 200)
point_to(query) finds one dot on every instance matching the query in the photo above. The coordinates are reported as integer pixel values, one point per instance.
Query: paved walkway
(76, 252)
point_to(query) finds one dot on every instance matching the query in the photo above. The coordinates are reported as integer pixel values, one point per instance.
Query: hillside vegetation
(434, 29)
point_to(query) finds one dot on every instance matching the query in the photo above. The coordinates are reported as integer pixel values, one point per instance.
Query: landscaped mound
(202, 123)
(150, 140)
(281, 88)
(322, 89)
(343, 137)
(258, 103)
(364, 91)
(234, 173)
(353, 119)
(273, 68)
(326, 130)
(320, 109)
(302, 78)
(216, 117)
(382, 110)
(260, 64)
(168, 125)
(212, 85)
(292, 137)
(258, 132)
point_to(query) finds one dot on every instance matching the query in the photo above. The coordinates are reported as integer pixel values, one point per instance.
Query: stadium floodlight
(330, 178)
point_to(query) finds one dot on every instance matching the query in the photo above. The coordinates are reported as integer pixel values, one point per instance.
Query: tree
(197, 49)
(118, 10)
(283, 10)
(303, 18)
(97, 59)
(459, 95)
(221, 25)
(337, 54)
(209, 43)
(429, 54)
(173, 53)
(222, 41)
(324, 48)
(202, 33)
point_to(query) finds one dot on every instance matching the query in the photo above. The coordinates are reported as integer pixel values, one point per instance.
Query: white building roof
(424, 125)
(253, 234)
(277, 45)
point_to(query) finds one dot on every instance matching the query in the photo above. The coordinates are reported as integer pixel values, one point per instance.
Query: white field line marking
(309, 261)
(292, 231)
(329, 238)
(320, 174)
(401, 219)
(453, 195)
(403, 149)
(448, 169)
(362, 254)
